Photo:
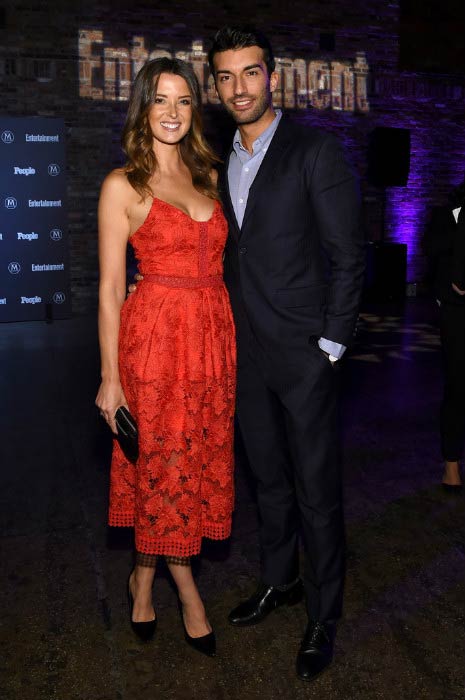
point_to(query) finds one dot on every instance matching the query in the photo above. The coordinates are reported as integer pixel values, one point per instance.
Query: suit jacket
(458, 252)
(294, 271)
(444, 245)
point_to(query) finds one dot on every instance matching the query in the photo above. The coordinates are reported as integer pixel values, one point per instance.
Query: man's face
(243, 84)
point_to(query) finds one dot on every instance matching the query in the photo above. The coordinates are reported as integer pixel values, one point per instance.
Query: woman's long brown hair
(137, 139)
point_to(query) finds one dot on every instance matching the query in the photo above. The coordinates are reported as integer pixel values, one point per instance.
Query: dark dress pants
(453, 404)
(288, 419)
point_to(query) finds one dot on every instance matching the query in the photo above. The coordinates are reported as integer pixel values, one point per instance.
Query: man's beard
(259, 109)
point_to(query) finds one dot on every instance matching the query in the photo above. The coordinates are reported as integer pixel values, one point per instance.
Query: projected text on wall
(106, 73)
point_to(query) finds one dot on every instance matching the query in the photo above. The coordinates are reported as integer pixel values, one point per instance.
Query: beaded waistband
(185, 282)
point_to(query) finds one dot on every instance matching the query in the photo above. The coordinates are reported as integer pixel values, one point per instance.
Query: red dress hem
(185, 547)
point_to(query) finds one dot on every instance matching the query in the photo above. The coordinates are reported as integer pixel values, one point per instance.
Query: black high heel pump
(205, 645)
(144, 630)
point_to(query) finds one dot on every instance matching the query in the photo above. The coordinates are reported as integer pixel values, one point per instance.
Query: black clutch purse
(128, 436)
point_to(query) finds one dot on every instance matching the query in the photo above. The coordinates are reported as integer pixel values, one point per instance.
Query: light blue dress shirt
(242, 170)
(243, 166)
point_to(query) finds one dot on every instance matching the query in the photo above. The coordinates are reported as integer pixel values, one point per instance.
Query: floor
(64, 629)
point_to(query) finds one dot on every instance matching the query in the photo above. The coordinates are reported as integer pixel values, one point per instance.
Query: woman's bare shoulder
(116, 185)
(116, 180)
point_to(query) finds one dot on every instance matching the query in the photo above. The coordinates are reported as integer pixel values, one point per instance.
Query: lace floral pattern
(177, 367)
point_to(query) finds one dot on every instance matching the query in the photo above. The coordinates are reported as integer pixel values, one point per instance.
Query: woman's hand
(109, 398)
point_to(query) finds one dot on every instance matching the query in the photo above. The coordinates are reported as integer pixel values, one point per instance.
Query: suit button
(242, 251)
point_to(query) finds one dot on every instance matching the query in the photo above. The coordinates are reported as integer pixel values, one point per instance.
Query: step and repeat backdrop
(34, 268)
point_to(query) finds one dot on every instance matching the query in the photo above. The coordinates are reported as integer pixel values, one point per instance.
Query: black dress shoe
(263, 601)
(205, 645)
(316, 650)
(144, 630)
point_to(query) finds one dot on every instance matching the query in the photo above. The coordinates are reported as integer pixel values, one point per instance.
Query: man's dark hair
(242, 37)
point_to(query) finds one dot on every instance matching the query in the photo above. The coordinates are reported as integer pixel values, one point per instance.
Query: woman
(168, 351)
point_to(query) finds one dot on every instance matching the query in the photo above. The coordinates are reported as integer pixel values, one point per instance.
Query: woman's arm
(113, 224)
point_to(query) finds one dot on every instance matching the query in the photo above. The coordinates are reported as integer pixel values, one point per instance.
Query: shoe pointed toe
(263, 602)
(205, 645)
(309, 666)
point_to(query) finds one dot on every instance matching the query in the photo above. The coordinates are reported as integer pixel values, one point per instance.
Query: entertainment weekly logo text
(44, 202)
(47, 267)
(42, 138)
(107, 72)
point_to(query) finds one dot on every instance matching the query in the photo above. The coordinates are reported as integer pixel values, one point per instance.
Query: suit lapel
(226, 197)
(272, 159)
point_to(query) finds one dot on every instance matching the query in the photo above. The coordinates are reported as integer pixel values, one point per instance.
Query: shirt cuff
(335, 349)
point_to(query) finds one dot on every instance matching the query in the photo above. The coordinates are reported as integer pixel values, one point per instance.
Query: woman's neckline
(181, 211)
(173, 206)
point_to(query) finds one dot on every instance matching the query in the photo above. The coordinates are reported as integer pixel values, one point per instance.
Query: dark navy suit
(294, 273)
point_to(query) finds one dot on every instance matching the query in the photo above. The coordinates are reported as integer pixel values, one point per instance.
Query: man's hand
(331, 358)
(132, 287)
(459, 291)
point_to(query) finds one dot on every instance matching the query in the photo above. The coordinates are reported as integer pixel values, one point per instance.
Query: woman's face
(170, 116)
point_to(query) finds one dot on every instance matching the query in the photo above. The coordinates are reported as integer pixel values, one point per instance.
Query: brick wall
(41, 73)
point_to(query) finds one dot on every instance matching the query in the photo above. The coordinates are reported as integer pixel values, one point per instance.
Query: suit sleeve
(336, 202)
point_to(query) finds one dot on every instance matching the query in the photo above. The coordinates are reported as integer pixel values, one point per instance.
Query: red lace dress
(177, 369)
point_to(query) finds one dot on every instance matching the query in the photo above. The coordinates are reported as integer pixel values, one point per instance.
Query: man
(444, 245)
(293, 266)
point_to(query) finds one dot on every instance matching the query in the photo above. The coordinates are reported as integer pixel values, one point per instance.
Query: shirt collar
(263, 141)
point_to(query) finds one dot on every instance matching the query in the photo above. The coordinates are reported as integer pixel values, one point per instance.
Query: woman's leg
(193, 610)
(451, 474)
(140, 585)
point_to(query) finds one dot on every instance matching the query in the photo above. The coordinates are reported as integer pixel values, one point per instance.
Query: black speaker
(386, 271)
(389, 156)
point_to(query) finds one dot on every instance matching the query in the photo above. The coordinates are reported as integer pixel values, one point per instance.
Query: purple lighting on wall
(407, 208)
(406, 219)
